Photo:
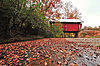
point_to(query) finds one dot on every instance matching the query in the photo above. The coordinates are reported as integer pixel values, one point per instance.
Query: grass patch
(98, 46)
(20, 39)
(95, 37)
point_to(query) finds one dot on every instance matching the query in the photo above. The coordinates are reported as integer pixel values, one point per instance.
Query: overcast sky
(90, 10)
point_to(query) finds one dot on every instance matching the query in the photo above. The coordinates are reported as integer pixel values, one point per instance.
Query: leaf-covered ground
(49, 52)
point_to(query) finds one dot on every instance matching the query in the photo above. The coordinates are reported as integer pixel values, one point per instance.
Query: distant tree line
(91, 28)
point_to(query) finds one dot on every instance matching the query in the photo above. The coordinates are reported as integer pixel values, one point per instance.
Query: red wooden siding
(66, 28)
(80, 26)
(63, 27)
(72, 27)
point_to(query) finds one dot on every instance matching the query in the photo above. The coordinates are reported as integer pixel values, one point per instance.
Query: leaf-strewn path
(50, 52)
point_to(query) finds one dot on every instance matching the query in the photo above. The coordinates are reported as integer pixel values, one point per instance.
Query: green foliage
(20, 17)
(57, 31)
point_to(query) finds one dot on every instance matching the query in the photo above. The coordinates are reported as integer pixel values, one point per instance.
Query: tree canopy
(22, 17)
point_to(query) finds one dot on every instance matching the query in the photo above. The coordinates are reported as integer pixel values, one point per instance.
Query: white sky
(90, 10)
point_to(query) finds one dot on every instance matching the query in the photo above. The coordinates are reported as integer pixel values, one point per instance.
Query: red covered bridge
(71, 27)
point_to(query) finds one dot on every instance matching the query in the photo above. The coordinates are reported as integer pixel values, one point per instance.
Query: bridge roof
(67, 20)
